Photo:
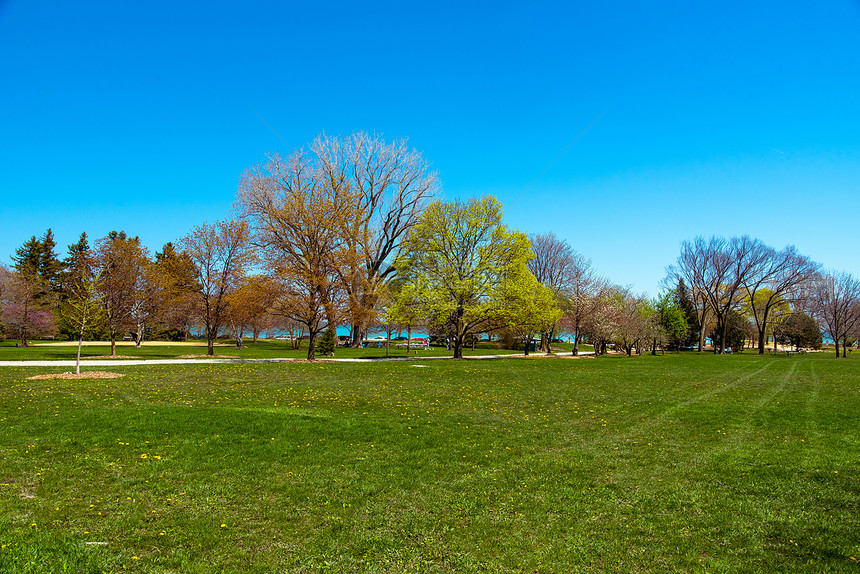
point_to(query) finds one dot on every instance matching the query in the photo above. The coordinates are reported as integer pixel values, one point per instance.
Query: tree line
(347, 231)
(740, 286)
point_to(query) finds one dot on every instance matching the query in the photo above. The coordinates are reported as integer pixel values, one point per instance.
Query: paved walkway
(138, 362)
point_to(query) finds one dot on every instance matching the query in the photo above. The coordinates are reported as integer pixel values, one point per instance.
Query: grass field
(264, 349)
(652, 464)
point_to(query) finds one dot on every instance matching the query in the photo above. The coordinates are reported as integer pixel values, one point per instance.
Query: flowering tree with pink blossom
(24, 315)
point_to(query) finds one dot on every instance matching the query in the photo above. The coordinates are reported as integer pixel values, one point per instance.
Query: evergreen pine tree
(327, 342)
(685, 302)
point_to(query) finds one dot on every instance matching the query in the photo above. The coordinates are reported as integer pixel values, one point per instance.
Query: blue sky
(623, 127)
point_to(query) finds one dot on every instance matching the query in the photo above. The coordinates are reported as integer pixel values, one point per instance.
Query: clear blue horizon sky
(622, 127)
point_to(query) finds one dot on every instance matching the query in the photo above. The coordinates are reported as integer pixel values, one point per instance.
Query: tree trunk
(112, 343)
(312, 339)
(408, 339)
(762, 339)
(355, 335)
(526, 346)
(210, 342)
(138, 336)
(78, 357)
(458, 347)
(721, 325)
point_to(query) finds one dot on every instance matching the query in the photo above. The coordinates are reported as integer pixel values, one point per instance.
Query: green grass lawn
(264, 349)
(652, 464)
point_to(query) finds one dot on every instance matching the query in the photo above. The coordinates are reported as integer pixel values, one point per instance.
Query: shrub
(327, 342)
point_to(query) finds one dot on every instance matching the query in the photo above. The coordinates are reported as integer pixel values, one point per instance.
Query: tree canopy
(458, 263)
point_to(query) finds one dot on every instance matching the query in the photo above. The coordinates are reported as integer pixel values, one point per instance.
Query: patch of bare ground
(110, 357)
(87, 375)
(207, 357)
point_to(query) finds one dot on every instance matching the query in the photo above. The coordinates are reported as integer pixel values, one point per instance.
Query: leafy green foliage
(672, 319)
(801, 330)
(685, 302)
(529, 308)
(327, 342)
(37, 258)
(458, 265)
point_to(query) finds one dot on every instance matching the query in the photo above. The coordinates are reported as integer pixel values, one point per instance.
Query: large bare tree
(836, 305)
(581, 297)
(298, 214)
(716, 270)
(554, 265)
(221, 253)
(776, 282)
(120, 262)
(391, 184)
(177, 289)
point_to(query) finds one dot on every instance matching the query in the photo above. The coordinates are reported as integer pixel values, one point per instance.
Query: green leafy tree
(405, 309)
(456, 260)
(801, 330)
(687, 304)
(529, 307)
(672, 319)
